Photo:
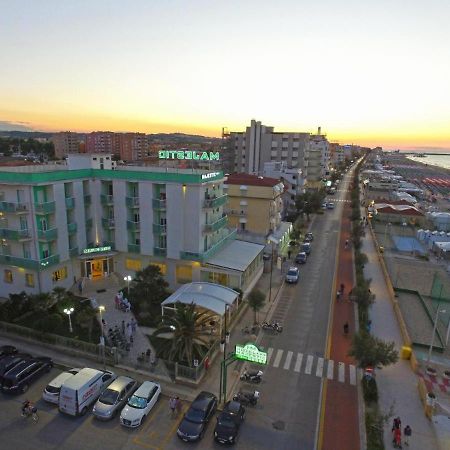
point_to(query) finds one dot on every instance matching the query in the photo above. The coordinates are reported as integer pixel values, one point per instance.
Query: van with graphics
(82, 390)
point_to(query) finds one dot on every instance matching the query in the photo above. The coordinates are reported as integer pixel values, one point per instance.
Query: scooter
(274, 326)
(252, 377)
(246, 398)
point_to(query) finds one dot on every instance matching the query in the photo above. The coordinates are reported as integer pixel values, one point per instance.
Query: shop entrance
(96, 268)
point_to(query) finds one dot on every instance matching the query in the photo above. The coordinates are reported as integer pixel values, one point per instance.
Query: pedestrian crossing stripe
(313, 365)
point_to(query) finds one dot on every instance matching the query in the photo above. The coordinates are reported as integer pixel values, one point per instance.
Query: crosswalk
(312, 365)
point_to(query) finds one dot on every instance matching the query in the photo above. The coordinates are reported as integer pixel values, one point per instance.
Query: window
(162, 267)
(60, 274)
(184, 274)
(8, 276)
(133, 264)
(29, 279)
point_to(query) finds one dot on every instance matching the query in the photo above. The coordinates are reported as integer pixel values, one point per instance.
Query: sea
(441, 160)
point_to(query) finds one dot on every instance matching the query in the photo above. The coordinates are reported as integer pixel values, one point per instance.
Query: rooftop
(251, 180)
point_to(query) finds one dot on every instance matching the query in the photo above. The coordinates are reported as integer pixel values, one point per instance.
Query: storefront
(97, 262)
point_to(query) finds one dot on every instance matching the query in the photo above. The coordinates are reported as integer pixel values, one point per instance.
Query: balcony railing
(214, 226)
(106, 199)
(73, 252)
(133, 202)
(13, 207)
(70, 202)
(133, 226)
(44, 208)
(48, 235)
(158, 204)
(50, 261)
(87, 199)
(159, 229)
(15, 235)
(71, 227)
(215, 202)
(159, 251)
(134, 248)
(28, 263)
(108, 223)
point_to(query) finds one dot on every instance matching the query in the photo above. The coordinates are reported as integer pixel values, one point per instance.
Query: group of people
(122, 302)
(147, 357)
(397, 433)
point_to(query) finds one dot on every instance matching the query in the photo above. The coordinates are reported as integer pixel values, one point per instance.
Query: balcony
(70, 202)
(73, 252)
(87, 199)
(236, 212)
(159, 251)
(106, 199)
(48, 235)
(203, 256)
(108, 223)
(16, 235)
(50, 261)
(159, 229)
(158, 204)
(134, 248)
(28, 263)
(217, 225)
(133, 226)
(132, 202)
(44, 208)
(13, 207)
(71, 227)
(215, 202)
(89, 222)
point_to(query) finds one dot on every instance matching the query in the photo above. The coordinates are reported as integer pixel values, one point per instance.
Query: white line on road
(330, 369)
(269, 354)
(298, 363)
(319, 368)
(309, 363)
(341, 372)
(352, 374)
(278, 356)
(287, 363)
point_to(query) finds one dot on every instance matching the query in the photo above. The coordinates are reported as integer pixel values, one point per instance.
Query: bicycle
(31, 412)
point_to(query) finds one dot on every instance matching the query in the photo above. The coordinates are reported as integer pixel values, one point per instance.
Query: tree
(84, 318)
(256, 300)
(188, 333)
(371, 351)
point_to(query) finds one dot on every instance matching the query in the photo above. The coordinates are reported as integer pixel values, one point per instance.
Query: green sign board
(189, 154)
(86, 251)
(250, 352)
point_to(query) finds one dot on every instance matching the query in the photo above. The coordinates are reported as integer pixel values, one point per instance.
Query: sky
(370, 73)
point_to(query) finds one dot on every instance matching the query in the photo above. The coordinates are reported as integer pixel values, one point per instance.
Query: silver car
(114, 397)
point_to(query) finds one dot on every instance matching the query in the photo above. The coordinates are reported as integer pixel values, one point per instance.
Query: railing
(159, 251)
(87, 199)
(214, 226)
(50, 261)
(158, 204)
(108, 223)
(72, 227)
(134, 248)
(131, 225)
(73, 252)
(106, 199)
(13, 207)
(16, 235)
(215, 202)
(28, 263)
(44, 208)
(132, 201)
(70, 202)
(159, 229)
(48, 234)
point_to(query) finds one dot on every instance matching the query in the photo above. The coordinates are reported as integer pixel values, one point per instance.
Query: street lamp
(101, 308)
(223, 347)
(127, 279)
(434, 332)
(69, 311)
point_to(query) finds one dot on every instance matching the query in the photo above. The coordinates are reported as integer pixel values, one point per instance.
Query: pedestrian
(80, 286)
(407, 432)
(148, 353)
(338, 295)
(133, 325)
(397, 437)
(397, 423)
(178, 405)
(172, 405)
(123, 327)
(346, 327)
(346, 243)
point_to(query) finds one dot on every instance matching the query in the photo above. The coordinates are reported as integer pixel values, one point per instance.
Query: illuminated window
(60, 274)
(184, 274)
(133, 264)
(29, 279)
(8, 277)
(162, 267)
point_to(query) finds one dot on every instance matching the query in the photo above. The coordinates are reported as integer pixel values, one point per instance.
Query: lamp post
(223, 348)
(101, 308)
(434, 331)
(69, 311)
(127, 279)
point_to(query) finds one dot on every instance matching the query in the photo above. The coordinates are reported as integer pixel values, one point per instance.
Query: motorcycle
(246, 398)
(252, 377)
(274, 326)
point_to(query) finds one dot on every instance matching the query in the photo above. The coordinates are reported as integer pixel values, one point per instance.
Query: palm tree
(256, 300)
(187, 329)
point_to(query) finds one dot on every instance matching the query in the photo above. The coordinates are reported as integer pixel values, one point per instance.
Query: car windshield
(195, 415)
(137, 402)
(292, 272)
(109, 397)
(226, 421)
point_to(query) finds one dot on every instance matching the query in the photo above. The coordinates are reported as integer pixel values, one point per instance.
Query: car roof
(120, 382)
(60, 379)
(232, 407)
(20, 367)
(202, 400)
(293, 268)
(301, 253)
(145, 388)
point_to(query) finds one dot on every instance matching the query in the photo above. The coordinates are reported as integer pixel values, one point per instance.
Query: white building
(60, 223)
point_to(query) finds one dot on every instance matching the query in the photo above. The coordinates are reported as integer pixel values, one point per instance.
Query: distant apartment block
(65, 142)
(126, 146)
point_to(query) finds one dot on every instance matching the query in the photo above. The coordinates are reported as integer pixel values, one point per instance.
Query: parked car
(52, 390)
(114, 397)
(324, 205)
(306, 247)
(228, 423)
(140, 404)
(194, 422)
(309, 237)
(19, 378)
(7, 350)
(301, 258)
(292, 275)
(8, 362)
(330, 205)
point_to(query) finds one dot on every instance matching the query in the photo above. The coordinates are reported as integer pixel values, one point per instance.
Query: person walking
(172, 405)
(346, 328)
(398, 437)
(177, 405)
(148, 353)
(407, 432)
(80, 286)
(338, 295)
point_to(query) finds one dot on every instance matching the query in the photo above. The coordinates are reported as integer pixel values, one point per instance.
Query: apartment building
(103, 142)
(65, 142)
(60, 223)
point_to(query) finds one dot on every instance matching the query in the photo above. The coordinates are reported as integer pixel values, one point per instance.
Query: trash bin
(406, 352)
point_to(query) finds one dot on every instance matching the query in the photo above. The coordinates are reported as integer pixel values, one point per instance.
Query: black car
(19, 378)
(7, 350)
(301, 258)
(8, 362)
(228, 423)
(197, 416)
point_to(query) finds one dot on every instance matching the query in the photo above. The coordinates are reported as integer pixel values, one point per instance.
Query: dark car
(228, 423)
(197, 417)
(306, 247)
(7, 350)
(19, 378)
(301, 258)
(309, 237)
(8, 362)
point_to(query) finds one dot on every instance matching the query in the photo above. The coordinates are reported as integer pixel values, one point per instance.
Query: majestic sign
(189, 154)
(250, 352)
(86, 251)
(206, 176)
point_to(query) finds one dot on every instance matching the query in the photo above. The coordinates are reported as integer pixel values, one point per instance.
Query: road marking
(298, 363)
(269, 354)
(309, 363)
(278, 356)
(287, 363)
(330, 369)
(319, 368)
(352, 374)
(341, 375)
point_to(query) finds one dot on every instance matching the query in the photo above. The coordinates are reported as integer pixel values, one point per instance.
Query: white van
(51, 391)
(83, 389)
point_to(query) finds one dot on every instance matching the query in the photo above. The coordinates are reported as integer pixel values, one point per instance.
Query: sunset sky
(371, 73)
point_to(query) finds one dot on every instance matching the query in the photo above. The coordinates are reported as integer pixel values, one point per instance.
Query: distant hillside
(25, 134)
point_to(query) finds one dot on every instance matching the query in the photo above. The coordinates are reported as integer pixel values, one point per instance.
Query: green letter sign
(250, 352)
